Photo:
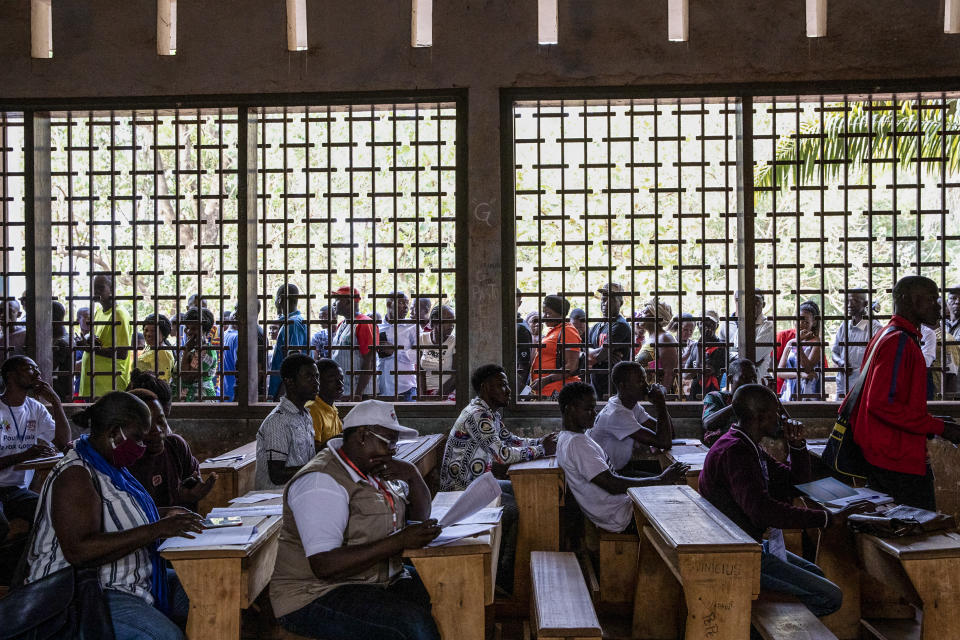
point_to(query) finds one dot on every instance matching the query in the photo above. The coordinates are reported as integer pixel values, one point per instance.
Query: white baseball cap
(377, 413)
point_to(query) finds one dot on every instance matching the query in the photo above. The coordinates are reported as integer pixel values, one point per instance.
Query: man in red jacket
(891, 423)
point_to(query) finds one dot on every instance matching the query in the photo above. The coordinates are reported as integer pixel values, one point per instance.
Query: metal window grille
(12, 226)
(641, 193)
(853, 193)
(149, 198)
(361, 196)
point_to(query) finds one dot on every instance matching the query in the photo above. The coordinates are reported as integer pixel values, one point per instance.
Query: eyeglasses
(390, 441)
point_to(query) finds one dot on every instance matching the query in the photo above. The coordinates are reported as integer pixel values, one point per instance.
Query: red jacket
(891, 421)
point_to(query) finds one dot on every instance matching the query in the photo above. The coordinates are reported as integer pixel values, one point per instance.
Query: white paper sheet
(212, 538)
(227, 458)
(692, 459)
(457, 532)
(251, 498)
(255, 510)
(487, 515)
(478, 495)
(827, 490)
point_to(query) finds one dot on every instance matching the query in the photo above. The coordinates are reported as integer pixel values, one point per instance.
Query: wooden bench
(615, 556)
(786, 618)
(537, 487)
(236, 475)
(691, 553)
(926, 571)
(561, 606)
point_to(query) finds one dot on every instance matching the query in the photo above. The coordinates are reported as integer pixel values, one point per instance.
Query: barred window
(144, 210)
(624, 209)
(12, 227)
(357, 215)
(853, 193)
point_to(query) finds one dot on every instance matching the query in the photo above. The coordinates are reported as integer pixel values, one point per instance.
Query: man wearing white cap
(347, 516)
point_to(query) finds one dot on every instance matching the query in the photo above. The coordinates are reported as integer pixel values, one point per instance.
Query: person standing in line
(292, 335)
(850, 341)
(108, 358)
(610, 340)
(398, 351)
(353, 345)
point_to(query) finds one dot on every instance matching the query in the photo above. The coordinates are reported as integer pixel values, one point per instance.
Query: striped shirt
(129, 574)
(286, 435)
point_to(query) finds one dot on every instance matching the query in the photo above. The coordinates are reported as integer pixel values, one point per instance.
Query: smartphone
(216, 522)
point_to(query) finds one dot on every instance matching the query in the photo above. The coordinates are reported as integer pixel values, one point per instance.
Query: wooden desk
(220, 581)
(925, 569)
(234, 477)
(425, 452)
(41, 468)
(687, 545)
(460, 578)
(692, 454)
(537, 487)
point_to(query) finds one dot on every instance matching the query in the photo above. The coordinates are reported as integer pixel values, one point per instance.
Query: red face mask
(127, 452)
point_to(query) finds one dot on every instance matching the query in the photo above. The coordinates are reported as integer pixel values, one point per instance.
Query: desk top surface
(413, 451)
(692, 454)
(933, 545)
(232, 460)
(540, 465)
(687, 521)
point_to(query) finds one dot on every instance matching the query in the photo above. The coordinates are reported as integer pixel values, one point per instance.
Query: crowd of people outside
(409, 351)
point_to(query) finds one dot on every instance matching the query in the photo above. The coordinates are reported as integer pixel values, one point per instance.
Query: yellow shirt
(161, 362)
(105, 329)
(326, 420)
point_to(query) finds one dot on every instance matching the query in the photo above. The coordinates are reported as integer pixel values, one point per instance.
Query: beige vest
(294, 585)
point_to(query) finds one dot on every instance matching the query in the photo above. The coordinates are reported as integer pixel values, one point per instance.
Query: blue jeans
(799, 578)
(367, 612)
(134, 619)
(408, 396)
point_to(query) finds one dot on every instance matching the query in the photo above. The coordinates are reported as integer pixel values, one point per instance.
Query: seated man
(347, 517)
(326, 420)
(754, 490)
(599, 490)
(26, 431)
(477, 440)
(167, 469)
(717, 411)
(623, 423)
(285, 439)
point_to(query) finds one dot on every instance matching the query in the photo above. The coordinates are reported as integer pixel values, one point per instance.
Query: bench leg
(837, 558)
(456, 588)
(538, 525)
(216, 595)
(657, 597)
(719, 591)
(937, 581)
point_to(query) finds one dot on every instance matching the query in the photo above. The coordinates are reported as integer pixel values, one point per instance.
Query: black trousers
(905, 488)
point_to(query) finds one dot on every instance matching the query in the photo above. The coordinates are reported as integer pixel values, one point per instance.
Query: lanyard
(16, 425)
(383, 490)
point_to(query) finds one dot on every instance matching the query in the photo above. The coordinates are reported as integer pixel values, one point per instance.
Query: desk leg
(837, 558)
(937, 581)
(657, 597)
(215, 591)
(456, 587)
(538, 527)
(719, 590)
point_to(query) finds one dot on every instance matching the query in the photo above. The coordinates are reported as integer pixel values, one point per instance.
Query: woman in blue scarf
(93, 513)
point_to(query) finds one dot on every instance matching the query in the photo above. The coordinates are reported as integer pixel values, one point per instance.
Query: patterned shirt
(712, 403)
(286, 435)
(206, 362)
(476, 441)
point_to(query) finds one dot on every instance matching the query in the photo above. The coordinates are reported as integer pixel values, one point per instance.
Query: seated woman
(194, 375)
(799, 367)
(660, 352)
(93, 513)
(168, 470)
(556, 362)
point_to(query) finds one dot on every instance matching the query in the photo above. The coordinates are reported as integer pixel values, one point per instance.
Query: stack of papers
(212, 538)
(469, 515)
(227, 458)
(255, 510)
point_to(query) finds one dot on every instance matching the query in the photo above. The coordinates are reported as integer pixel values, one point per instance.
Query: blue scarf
(123, 481)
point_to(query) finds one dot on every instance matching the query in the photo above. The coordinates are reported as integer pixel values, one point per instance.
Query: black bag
(841, 454)
(901, 520)
(66, 604)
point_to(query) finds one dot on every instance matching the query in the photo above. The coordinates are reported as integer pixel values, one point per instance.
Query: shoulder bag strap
(850, 403)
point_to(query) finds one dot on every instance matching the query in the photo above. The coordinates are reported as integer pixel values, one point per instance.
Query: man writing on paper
(753, 489)
(338, 573)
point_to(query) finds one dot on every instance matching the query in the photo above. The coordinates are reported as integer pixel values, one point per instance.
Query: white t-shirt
(928, 344)
(582, 459)
(432, 361)
(613, 429)
(20, 427)
(404, 359)
(321, 507)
